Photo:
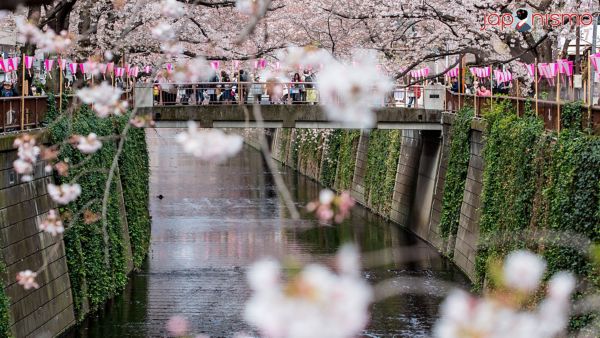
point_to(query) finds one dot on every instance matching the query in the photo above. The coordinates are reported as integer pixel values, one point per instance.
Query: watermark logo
(524, 20)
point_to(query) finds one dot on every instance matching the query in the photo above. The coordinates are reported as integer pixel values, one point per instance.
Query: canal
(215, 220)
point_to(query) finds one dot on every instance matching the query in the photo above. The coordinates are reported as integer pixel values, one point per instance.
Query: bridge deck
(286, 116)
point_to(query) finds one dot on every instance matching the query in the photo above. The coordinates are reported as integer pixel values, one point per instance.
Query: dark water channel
(215, 220)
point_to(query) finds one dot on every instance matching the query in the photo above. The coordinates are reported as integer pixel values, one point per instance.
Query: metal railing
(210, 93)
(549, 111)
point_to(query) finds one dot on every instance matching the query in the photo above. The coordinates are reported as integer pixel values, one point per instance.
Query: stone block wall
(46, 311)
(406, 177)
(360, 169)
(465, 250)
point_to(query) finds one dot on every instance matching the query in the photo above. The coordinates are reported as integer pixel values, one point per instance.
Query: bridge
(168, 112)
(286, 116)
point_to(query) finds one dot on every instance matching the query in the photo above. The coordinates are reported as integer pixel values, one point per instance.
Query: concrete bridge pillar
(360, 168)
(406, 176)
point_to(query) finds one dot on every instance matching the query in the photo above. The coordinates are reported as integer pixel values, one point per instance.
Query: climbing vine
(94, 276)
(4, 307)
(347, 159)
(509, 182)
(135, 174)
(540, 190)
(382, 162)
(330, 161)
(456, 174)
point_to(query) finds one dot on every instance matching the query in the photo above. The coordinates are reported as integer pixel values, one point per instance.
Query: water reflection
(215, 220)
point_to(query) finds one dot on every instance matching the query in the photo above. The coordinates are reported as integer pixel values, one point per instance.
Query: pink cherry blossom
(106, 100)
(523, 270)
(172, 8)
(52, 224)
(330, 207)
(88, 144)
(209, 145)
(314, 303)
(27, 154)
(178, 326)
(65, 193)
(27, 279)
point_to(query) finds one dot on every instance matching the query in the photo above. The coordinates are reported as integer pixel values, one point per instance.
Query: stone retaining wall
(419, 184)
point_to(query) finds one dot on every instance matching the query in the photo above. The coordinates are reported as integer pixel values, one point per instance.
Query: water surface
(215, 220)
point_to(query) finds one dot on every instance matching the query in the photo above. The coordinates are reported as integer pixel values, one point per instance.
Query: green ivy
(509, 182)
(534, 182)
(330, 163)
(347, 159)
(4, 308)
(94, 277)
(382, 162)
(456, 174)
(135, 174)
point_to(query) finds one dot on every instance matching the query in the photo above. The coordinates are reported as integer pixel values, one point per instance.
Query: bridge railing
(13, 117)
(165, 94)
(549, 111)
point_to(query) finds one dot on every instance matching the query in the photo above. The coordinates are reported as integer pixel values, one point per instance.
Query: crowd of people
(222, 88)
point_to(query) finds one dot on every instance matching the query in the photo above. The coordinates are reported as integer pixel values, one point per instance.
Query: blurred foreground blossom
(315, 302)
(27, 154)
(172, 9)
(250, 7)
(47, 41)
(523, 270)
(209, 145)
(52, 224)
(88, 144)
(350, 92)
(330, 207)
(27, 279)
(178, 326)
(65, 193)
(106, 99)
(194, 70)
(509, 311)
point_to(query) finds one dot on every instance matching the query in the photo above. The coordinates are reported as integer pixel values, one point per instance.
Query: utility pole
(593, 51)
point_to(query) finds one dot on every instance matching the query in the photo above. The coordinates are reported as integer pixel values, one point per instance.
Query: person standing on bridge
(243, 86)
(8, 90)
(414, 94)
(295, 88)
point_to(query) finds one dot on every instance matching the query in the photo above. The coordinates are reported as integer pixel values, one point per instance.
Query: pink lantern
(83, 67)
(170, 67)
(62, 64)
(29, 62)
(215, 65)
(110, 67)
(594, 59)
(73, 68)
(530, 69)
(148, 69)
(48, 63)
(119, 71)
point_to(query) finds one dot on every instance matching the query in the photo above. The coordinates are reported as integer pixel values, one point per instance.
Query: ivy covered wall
(95, 277)
(329, 156)
(382, 162)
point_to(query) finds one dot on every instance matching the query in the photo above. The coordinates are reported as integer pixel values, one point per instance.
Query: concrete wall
(360, 169)
(465, 250)
(48, 310)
